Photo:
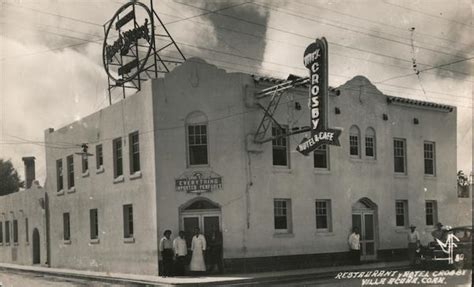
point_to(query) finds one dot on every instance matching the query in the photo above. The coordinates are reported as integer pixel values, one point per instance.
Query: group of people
(174, 253)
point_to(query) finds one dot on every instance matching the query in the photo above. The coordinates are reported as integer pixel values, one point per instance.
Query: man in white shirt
(166, 250)
(354, 245)
(413, 244)
(180, 251)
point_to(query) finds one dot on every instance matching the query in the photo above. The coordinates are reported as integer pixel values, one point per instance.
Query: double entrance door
(364, 220)
(207, 221)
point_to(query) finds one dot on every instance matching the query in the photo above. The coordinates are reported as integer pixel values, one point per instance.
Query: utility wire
(427, 14)
(427, 69)
(313, 19)
(209, 12)
(52, 14)
(307, 37)
(450, 41)
(267, 39)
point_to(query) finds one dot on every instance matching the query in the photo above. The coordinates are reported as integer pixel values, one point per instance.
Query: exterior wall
(251, 182)
(21, 205)
(98, 190)
(197, 86)
(350, 179)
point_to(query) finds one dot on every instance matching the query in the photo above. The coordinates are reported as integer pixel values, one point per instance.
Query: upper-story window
(117, 153)
(99, 156)
(399, 155)
(354, 141)
(370, 143)
(197, 139)
(321, 157)
(59, 174)
(70, 171)
(429, 155)
(134, 152)
(280, 146)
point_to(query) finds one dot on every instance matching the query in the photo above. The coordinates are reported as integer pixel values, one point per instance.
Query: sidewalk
(263, 277)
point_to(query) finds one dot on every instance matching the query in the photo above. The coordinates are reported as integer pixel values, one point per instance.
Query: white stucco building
(180, 153)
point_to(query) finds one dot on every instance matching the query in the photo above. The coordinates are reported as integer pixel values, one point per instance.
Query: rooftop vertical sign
(316, 60)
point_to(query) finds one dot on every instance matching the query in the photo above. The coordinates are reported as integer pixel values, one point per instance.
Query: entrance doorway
(364, 217)
(36, 247)
(199, 212)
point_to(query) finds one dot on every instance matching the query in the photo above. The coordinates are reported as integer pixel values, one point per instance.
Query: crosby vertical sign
(316, 60)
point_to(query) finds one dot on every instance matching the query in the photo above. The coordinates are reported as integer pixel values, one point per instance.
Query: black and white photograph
(236, 143)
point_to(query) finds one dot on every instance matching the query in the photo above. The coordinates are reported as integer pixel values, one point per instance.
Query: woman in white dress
(198, 246)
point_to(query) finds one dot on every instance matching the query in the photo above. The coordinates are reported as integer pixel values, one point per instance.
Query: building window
(282, 215)
(85, 163)
(354, 141)
(1, 232)
(431, 209)
(99, 158)
(118, 164)
(197, 139)
(370, 143)
(197, 144)
(59, 174)
(321, 157)
(27, 237)
(128, 221)
(66, 226)
(399, 154)
(15, 231)
(429, 154)
(70, 171)
(323, 215)
(401, 213)
(134, 152)
(280, 146)
(94, 223)
(7, 232)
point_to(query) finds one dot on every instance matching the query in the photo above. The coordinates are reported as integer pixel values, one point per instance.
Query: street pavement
(17, 275)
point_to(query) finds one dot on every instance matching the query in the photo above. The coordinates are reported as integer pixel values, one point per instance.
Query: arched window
(197, 139)
(370, 143)
(354, 141)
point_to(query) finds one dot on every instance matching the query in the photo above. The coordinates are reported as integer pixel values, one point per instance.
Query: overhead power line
(300, 14)
(308, 37)
(427, 14)
(52, 14)
(404, 29)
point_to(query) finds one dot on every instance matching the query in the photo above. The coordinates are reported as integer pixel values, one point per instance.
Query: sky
(51, 69)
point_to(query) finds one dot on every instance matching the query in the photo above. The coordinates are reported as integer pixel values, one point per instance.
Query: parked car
(454, 249)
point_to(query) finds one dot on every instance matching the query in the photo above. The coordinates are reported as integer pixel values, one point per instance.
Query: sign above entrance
(316, 60)
(198, 182)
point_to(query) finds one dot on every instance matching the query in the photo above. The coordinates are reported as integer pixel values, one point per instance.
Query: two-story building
(181, 153)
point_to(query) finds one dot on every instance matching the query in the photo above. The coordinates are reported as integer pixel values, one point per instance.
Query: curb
(237, 282)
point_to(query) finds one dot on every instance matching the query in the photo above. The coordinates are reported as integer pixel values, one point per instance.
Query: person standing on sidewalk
(354, 244)
(166, 250)
(413, 244)
(198, 246)
(180, 251)
(215, 250)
